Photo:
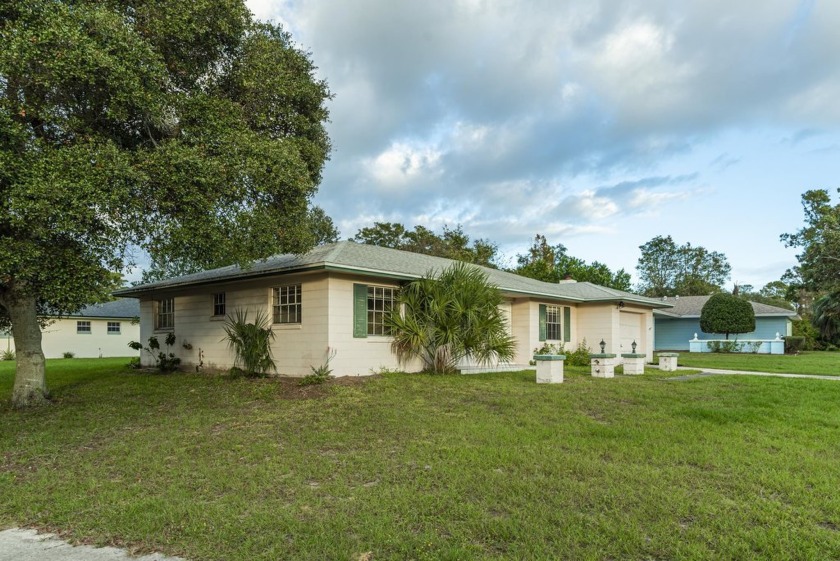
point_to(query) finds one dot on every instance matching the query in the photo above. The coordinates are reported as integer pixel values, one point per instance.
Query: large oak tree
(192, 132)
(818, 272)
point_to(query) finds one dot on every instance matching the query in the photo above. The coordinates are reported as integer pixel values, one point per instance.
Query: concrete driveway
(28, 545)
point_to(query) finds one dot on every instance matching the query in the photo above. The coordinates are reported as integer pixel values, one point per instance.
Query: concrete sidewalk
(17, 544)
(716, 371)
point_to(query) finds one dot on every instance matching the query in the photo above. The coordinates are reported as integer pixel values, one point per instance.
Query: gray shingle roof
(119, 308)
(691, 306)
(380, 261)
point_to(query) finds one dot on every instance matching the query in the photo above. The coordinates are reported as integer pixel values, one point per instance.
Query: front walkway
(17, 544)
(717, 371)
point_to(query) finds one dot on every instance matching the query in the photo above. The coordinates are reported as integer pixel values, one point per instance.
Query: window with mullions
(219, 304)
(83, 327)
(287, 304)
(380, 303)
(165, 314)
(114, 328)
(552, 323)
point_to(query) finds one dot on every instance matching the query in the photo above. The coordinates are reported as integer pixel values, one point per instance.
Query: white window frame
(553, 321)
(81, 324)
(381, 300)
(114, 328)
(287, 304)
(165, 314)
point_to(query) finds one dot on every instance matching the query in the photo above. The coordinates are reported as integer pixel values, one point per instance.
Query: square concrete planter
(549, 368)
(668, 361)
(602, 365)
(634, 363)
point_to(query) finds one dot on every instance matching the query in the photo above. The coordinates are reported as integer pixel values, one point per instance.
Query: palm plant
(827, 316)
(450, 317)
(250, 342)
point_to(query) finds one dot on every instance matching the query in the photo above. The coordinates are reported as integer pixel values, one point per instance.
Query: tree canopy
(453, 243)
(666, 269)
(727, 313)
(774, 293)
(819, 239)
(552, 263)
(196, 135)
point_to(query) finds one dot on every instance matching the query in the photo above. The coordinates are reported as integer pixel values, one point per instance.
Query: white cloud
(401, 164)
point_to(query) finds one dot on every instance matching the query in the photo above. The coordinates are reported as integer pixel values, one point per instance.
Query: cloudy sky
(600, 124)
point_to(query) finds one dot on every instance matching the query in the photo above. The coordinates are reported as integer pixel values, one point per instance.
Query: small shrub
(580, 356)
(134, 363)
(164, 361)
(69, 354)
(753, 346)
(794, 345)
(811, 335)
(320, 374)
(235, 372)
(550, 349)
(7, 355)
(725, 346)
(383, 370)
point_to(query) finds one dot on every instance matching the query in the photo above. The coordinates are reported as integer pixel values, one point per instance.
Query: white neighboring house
(334, 298)
(100, 330)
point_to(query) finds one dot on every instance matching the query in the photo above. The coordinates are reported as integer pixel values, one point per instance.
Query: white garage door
(631, 330)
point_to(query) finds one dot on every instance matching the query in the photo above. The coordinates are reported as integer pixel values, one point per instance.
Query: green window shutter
(360, 326)
(567, 324)
(542, 322)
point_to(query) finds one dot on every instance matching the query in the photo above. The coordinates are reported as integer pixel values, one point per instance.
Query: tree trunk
(30, 380)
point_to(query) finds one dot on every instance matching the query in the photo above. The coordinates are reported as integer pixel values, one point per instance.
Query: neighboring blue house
(674, 327)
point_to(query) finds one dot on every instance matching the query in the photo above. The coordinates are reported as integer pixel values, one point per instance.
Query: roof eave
(137, 291)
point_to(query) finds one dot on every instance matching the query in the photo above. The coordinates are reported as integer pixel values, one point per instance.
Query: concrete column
(603, 365)
(549, 368)
(668, 361)
(634, 363)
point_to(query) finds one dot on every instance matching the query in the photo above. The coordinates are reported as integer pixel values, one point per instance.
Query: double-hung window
(165, 314)
(113, 328)
(288, 306)
(553, 330)
(83, 327)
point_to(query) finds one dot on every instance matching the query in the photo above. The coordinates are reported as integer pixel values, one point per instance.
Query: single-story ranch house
(334, 299)
(98, 330)
(677, 325)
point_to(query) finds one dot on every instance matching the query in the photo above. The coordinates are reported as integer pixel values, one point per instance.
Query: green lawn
(805, 363)
(487, 466)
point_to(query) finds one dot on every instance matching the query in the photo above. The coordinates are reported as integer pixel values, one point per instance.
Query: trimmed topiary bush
(726, 313)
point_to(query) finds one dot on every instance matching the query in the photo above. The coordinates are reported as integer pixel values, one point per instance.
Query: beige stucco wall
(603, 321)
(296, 346)
(525, 323)
(60, 336)
(357, 356)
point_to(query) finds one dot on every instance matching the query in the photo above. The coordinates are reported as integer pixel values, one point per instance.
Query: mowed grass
(400, 466)
(809, 362)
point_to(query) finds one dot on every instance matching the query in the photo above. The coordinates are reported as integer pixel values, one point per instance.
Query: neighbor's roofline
(790, 314)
